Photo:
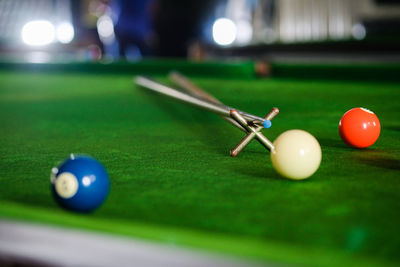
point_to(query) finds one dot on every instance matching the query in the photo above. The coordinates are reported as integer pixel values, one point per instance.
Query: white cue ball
(297, 154)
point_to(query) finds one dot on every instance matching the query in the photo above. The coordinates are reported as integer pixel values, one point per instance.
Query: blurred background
(105, 30)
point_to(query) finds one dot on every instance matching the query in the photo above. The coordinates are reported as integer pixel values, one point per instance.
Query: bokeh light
(244, 32)
(38, 33)
(105, 28)
(65, 32)
(224, 31)
(358, 31)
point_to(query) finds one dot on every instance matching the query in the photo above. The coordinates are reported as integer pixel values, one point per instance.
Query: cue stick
(189, 86)
(173, 93)
(196, 91)
(253, 132)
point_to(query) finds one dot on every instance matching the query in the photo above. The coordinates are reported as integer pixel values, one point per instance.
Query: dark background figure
(134, 28)
(162, 28)
(178, 23)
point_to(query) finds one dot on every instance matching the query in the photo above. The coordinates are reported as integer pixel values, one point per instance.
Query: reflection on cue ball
(297, 154)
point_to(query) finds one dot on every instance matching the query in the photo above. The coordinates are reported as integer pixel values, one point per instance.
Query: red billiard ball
(359, 127)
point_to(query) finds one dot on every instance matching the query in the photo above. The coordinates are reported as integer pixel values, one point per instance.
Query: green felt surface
(174, 181)
(231, 69)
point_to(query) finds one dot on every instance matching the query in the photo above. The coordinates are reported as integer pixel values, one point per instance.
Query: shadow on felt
(395, 128)
(200, 123)
(377, 159)
(334, 143)
(255, 163)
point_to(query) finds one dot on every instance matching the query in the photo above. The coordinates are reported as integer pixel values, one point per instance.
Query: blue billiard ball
(80, 184)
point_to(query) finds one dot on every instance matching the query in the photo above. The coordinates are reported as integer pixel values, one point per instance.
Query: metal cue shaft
(186, 84)
(165, 90)
(245, 141)
(190, 87)
(261, 138)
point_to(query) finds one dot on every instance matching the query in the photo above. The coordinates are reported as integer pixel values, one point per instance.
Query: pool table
(172, 178)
